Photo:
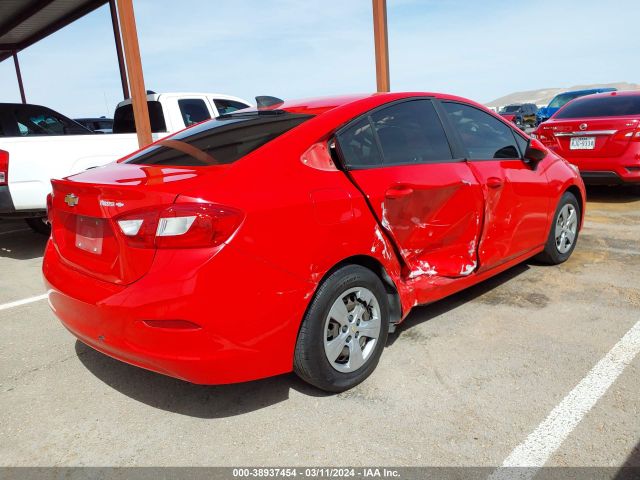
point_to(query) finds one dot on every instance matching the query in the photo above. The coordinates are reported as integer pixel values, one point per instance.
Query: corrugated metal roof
(24, 22)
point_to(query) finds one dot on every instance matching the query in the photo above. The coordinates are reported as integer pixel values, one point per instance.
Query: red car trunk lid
(84, 206)
(590, 137)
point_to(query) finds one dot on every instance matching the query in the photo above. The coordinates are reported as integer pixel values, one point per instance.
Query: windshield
(510, 109)
(217, 142)
(559, 100)
(597, 106)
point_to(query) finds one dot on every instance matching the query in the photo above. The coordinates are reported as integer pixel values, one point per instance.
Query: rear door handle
(400, 191)
(494, 182)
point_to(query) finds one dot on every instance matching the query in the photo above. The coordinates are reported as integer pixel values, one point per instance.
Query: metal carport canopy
(25, 22)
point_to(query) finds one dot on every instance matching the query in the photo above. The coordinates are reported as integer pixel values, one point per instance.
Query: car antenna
(264, 101)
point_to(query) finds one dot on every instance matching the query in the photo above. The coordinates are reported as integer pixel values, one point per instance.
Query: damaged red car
(297, 235)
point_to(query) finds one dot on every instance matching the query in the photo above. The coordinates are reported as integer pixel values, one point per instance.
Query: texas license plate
(582, 143)
(89, 234)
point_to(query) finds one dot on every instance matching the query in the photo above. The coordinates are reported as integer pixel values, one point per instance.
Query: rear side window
(123, 121)
(608, 106)
(407, 133)
(227, 106)
(483, 136)
(358, 145)
(218, 142)
(42, 121)
(193, 110)
(411, 132)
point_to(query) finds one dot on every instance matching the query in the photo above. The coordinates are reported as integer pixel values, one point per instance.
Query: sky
(304, 48)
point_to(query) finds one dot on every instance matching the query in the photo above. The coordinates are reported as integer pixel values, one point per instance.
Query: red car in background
(295, 237)
(600, 134)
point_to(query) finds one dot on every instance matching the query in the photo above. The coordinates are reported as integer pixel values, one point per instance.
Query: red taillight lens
(187, 225)
(4, 168)
(545, 135)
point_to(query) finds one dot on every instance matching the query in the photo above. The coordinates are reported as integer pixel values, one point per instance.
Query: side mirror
(535, 152)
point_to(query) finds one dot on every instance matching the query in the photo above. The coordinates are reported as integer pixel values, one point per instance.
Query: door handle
(398, 192)
(494, 182)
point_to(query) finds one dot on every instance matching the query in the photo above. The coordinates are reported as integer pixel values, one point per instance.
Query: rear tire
(39, 225)
(563, 234)
(344, 330)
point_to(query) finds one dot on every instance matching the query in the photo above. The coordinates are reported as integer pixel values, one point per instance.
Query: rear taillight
(545, 135)
(187, 225)
(4, 167)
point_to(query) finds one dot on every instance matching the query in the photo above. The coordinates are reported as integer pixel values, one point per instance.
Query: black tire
(39, 225)
(551, 255)
(310, 360)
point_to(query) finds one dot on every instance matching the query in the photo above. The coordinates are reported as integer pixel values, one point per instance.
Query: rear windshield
(608, 106)
(219, 141)
(123, 121)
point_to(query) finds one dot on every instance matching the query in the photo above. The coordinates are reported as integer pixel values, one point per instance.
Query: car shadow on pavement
(630, 469)
(613, 194)
(428, 312)
(201, 401)
(23, 244)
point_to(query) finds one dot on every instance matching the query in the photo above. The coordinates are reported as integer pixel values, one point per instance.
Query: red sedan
(600, 134)
(296, 236)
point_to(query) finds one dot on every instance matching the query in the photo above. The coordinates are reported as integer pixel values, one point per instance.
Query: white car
(38, 144)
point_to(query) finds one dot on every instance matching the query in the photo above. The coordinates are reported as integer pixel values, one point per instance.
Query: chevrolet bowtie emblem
(71, 199)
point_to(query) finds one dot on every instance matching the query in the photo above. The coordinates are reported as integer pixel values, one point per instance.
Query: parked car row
(38, 144)
(296, 236)
(522, 114)
(528, 115)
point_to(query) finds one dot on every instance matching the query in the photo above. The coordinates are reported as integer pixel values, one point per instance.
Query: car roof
(152, 97)
(356, 102)
(617, 93)
(590, 90)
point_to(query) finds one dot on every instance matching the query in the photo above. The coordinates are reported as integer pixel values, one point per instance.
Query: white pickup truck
(38, 144)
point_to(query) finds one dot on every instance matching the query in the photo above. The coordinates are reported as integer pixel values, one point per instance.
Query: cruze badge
(109, 203)
(71, 199)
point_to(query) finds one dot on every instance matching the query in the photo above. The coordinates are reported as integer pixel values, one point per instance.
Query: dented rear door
(429, 203)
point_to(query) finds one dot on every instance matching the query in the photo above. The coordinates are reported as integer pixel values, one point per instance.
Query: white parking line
(24, 301)
(547, 438)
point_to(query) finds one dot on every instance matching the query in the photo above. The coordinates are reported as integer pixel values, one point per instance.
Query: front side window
(217, 142)
(227, 106)
(483, 136)
(32, 121)
(411, 132)
(193, 110)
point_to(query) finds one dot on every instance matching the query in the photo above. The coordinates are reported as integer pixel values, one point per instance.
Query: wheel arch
(373, 264)
(575, 191)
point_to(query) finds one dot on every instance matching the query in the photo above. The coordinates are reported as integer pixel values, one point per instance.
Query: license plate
(582, 143)
(89, 234)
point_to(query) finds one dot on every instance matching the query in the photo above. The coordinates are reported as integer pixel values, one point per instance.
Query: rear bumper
(607, 171)
(6, 203)
(8, 209)
(248, 325)
(610, 177)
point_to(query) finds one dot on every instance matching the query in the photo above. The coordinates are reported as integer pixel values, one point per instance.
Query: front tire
(344, 330)
(39, 225)
(563, 235)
